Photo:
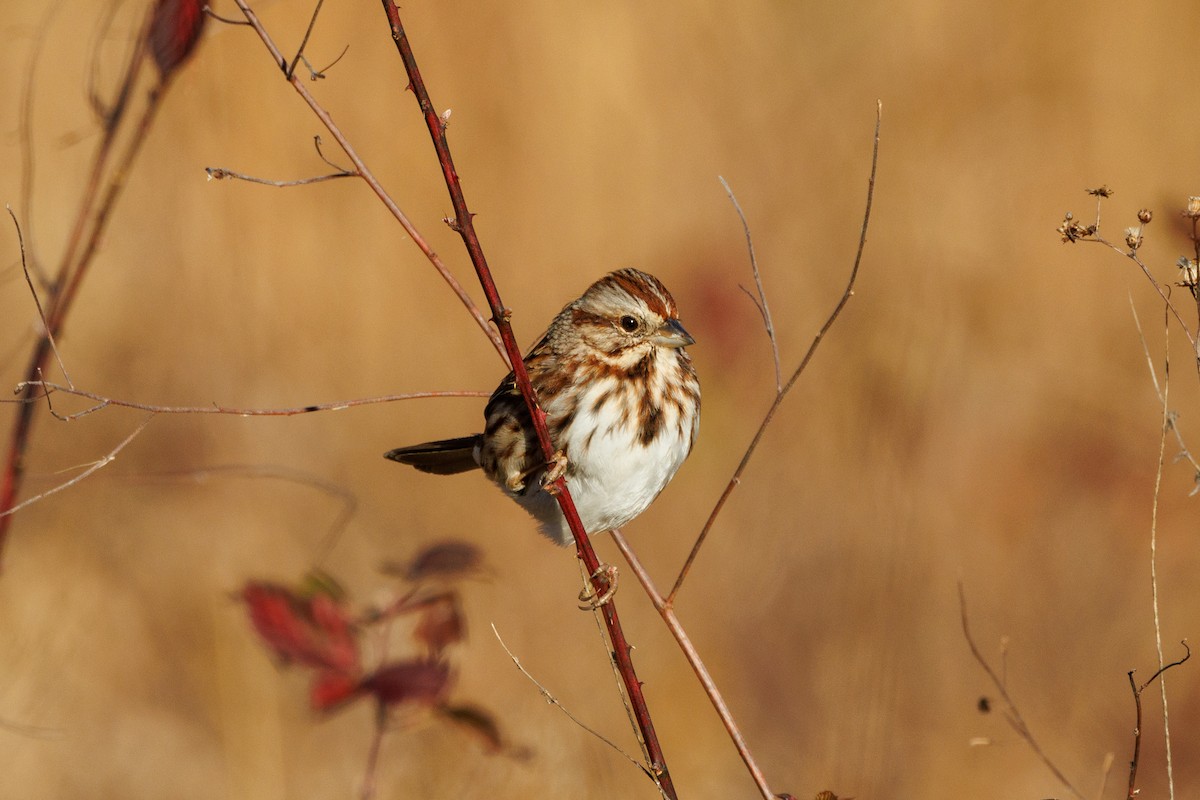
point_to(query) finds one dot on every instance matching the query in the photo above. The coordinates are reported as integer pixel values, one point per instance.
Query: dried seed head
(1102, 191)
(1133, 238)
(1189, 272)
(1144, 216)
(1070, 230)
(1193, 208)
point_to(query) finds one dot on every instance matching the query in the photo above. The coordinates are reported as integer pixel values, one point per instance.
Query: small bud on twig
(1145, 215)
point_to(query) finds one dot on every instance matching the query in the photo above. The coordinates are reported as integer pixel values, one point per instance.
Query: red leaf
(175, 27)
(418, 682)
(314, 632)
(332, 689)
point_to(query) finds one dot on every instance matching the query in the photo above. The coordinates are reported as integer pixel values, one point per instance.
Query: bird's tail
(445, 457)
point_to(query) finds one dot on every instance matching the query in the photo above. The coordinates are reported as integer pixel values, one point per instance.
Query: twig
(368, 784)
(1012, 713)
(1137, 728)
(96, 465)
(226, 20)
(1185, 452)
(1158, 472)
(500, 316)
(103, 402)
(667, 612)
(554, 701)
(319, 74)
(220, 173)
(49, 334)
(369, 177)
(312, 22)
(761, 301)
(782, 394)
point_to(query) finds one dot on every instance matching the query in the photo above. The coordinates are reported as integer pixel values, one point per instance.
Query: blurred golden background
(982, 411)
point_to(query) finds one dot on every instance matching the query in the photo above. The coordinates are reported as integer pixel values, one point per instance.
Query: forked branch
(782, 393)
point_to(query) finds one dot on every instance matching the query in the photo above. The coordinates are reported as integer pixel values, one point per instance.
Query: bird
(622, 404)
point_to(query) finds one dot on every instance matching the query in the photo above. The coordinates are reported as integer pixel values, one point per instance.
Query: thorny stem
(500, 317)
(782, 393)
(365, 173)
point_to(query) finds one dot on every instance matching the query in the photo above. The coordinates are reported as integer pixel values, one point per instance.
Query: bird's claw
(555, 469)
(590, 599)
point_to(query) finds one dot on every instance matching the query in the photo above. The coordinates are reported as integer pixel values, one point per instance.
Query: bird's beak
(672, 334)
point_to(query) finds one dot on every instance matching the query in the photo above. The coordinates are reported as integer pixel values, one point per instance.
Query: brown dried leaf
(480, 722)
(441, 623)
(448, 560)
(417, 682)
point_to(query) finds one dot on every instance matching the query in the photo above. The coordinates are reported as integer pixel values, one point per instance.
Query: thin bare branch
(220, 173)
(319, 74)
(103, 402)
(46, 331)
(1012, 713)
(1185, 452)
(697, 664)
(92, 468)
(1158, 473)
(1137, 727)
(761, 302)
(365, 173)
(320, 154)
(782, 394)
(291, 70)
(226, 20)
(554, 701)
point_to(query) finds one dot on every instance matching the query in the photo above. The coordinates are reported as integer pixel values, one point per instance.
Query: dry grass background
(982, 412)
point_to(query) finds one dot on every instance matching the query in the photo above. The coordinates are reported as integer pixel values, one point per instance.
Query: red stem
(500, 317)
(70, 276)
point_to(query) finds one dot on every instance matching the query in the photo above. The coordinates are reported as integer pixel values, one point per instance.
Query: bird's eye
(629, 324)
